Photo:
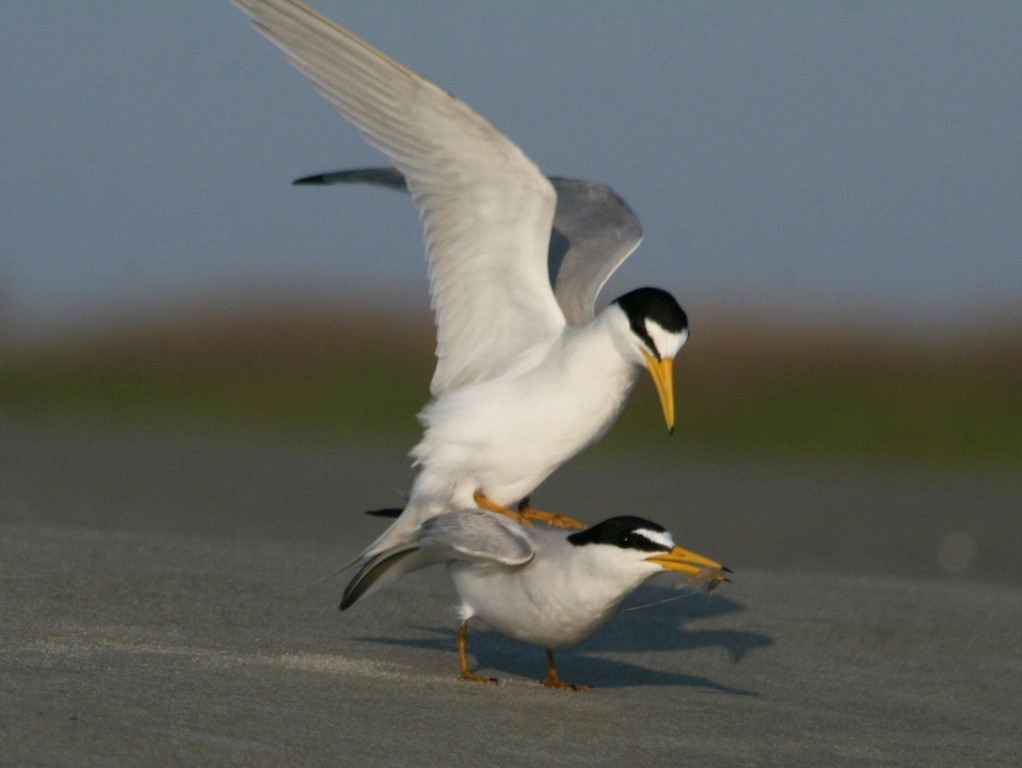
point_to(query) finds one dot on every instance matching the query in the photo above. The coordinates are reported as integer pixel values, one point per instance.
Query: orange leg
(525, 513)
(554, 681)
(485, 503)
(550, 518)
(465, 673)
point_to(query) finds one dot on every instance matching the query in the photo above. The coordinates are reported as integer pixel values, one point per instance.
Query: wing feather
(485, 208)
(477, 535)
(594, 231)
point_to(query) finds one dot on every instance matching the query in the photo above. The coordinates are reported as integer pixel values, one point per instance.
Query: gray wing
(468, 534)
(597, 231)
(477, 535)
(386, 567)
(594, 231)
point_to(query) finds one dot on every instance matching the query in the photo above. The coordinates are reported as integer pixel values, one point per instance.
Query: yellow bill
(698, 567)
(662, 373)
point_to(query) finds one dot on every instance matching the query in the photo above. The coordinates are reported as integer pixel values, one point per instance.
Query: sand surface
(152, 614)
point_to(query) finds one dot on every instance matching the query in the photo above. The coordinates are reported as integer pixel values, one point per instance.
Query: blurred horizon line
(863, 326)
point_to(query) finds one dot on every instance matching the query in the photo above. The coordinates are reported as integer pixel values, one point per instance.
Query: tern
(538, 585)
(526, 377)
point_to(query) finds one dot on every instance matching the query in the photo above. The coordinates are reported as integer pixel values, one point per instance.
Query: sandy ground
(152, 614)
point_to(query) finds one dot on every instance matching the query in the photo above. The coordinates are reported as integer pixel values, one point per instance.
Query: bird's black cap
(621, 532)
(657, 305)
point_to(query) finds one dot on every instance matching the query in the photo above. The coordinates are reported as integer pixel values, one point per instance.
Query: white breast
(506, 435)
(559, 598)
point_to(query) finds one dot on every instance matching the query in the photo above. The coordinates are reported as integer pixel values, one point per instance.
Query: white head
(638, 548)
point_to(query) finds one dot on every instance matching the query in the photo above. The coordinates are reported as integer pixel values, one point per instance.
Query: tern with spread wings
(527, 376)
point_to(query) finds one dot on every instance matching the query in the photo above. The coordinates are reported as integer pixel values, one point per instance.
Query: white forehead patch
(663, 538)
(667, 342)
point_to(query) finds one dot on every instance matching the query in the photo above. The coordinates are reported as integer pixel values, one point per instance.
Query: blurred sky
(818, 159)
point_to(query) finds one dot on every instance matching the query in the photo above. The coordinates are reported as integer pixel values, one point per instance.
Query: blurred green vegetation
(778, 393)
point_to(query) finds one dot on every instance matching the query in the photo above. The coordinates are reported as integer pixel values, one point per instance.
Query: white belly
(525, 615)
(552, 601)
(507, 435)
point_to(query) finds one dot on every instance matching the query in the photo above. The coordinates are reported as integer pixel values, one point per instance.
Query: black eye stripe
(621, 532)
(638, 325)
(641, 543)
(656, 305)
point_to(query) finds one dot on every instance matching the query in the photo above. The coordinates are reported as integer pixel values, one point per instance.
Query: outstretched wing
(486, 209)
(594, 231)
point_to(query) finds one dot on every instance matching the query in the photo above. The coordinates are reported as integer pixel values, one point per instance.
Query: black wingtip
(726, 569)
(390, 512)
(389, 178)
(372, 571)
(353, 592)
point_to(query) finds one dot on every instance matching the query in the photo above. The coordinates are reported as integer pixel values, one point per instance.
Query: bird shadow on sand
(659, 628)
